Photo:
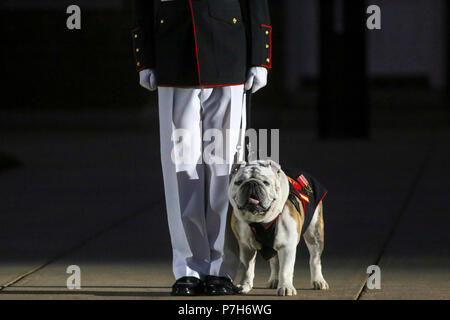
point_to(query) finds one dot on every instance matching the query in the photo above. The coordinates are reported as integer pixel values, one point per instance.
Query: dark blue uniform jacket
(201, 42)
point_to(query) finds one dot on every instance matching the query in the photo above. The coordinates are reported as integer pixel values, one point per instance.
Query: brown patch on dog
(233, 226)
(316, 235)
(299, 217)
(320, 223)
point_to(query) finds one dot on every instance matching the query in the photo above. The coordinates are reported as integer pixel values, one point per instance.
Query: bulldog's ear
(275, 166)
(235, 168)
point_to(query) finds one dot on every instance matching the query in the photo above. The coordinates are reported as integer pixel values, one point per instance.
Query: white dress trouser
(196, 190)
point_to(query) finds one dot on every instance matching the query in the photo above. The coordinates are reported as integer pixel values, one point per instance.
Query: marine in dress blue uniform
(201, 56)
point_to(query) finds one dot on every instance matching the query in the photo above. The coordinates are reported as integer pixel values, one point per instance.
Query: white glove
(147, 79)
(256, 79)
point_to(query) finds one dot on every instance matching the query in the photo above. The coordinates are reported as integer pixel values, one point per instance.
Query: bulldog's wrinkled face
(255, 188)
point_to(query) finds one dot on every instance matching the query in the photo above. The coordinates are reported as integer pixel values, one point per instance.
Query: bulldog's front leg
(286, 256)
(274, 271)
(248, 258)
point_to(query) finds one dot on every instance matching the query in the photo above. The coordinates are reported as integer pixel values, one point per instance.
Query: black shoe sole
(184, 294)
(187, 293)
(220, 293)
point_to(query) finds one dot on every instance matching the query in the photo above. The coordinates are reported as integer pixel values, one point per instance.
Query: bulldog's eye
(238, 183)
(267, 183)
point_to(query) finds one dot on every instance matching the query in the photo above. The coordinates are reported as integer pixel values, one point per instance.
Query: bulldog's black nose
(251, 186)
(251, 189)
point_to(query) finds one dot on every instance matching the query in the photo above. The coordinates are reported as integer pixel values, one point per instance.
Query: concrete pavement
(95, 200)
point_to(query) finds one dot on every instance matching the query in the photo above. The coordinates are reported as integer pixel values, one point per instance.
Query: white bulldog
(265, 220)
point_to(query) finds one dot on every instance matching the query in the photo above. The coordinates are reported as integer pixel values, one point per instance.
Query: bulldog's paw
(286, 290)
(272, 283)
(245, 287)
(320, 284)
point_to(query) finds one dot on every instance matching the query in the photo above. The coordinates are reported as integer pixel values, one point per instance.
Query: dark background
(365, 111)
(318, 45)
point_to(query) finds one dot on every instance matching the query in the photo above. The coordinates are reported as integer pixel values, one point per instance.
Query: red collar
(271, 222)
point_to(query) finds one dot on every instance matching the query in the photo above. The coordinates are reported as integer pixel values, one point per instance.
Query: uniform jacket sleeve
(259, 32)
(142, 34)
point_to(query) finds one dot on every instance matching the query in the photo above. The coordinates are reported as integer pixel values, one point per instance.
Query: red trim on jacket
(270, 45)
(276, 218)
(196, 47)
(320, 201)
(142, 69)
(202, 85)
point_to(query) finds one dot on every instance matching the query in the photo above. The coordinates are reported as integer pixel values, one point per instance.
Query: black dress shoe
(188, 286)
(219, 286)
